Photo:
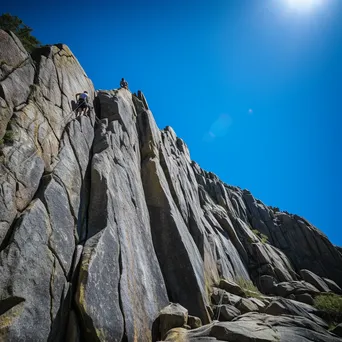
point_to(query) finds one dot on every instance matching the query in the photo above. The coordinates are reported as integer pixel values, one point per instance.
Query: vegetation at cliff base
(248, 288)
(331, 305)
(12, 23)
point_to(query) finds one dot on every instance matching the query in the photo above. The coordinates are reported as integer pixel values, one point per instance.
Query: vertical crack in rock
(124, 334)
(169, 180)
(60, 182)
(7, 238)
(51, 289)
(83, 215)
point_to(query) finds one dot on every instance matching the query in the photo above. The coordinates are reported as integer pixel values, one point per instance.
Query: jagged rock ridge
(105, 219)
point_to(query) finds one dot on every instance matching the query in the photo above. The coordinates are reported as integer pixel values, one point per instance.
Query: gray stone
(246, 305)
(7, 207)
(226, 312)
(259, 303)
(231, 287)
(290, 328)
(244, 331)
(305, 298)
(267, 284)
(32, 280)
(62, 236)
(220, 296)
(194, 322)
(174, 244)
(131, 276)
(315, 280)
(333, 286)
(276, 308)
(16, 74)
(285, 289)
(100, 223)
(309, 248)
(172, 316)
(282, 306)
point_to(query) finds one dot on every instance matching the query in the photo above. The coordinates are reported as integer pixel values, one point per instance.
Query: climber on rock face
(82, 103)
(123, 84)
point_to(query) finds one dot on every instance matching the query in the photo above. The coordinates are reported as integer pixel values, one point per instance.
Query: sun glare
(304, 4)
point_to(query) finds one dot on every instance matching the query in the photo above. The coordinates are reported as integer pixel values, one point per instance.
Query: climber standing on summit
(82, 103)
(123, 84)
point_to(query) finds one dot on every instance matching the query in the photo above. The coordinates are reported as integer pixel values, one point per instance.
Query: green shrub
(331, 307)
(263, 238)
(248, 288)
(8, 137)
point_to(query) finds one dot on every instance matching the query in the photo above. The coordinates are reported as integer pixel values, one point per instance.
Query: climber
(82, 103)
(123, 84)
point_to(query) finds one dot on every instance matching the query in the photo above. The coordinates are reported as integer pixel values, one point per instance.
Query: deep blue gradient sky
(252, 86)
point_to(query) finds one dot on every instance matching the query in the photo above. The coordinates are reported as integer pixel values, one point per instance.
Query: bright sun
(304, 4)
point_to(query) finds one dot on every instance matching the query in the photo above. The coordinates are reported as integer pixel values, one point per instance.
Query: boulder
(220, 296)
(246, 305)
(259, 303)
(238, 331)
(282, 306)
(290, 328)
(267, 284)
(231, 287)
(315, 280)
(172, 316)
(276, 308)
(198, 335)
(333, 286)
(194, 322)
(226, 312)
(285, 289)
(305, 298)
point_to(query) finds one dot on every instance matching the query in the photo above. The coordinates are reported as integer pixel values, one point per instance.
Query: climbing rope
(220, 305)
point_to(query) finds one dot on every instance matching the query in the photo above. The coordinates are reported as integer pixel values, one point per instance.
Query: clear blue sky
(252, 86)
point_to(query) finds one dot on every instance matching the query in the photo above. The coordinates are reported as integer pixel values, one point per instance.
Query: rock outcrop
(105, 219)
(256, 327)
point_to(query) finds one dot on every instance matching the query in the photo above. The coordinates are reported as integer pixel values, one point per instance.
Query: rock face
(104, 219)
(254, 327)
(172, 316)
(314, 280)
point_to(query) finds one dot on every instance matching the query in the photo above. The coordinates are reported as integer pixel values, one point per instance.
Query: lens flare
(303, 4)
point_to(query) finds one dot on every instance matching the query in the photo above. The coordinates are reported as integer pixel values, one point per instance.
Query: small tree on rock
(12, 23)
